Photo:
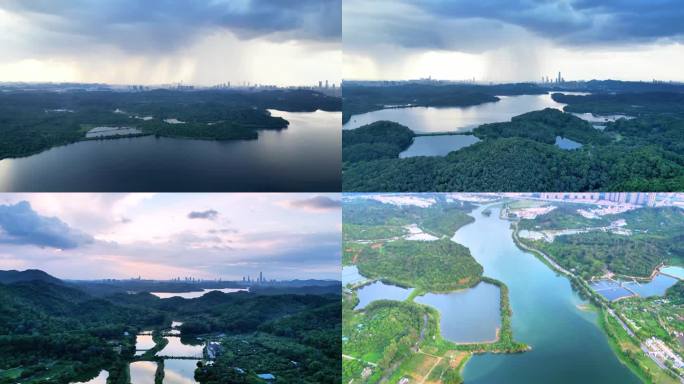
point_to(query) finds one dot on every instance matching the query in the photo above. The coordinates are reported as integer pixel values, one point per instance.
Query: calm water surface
(674, 271)
(656, 287)
(100, 379)
(568, 144)
(457, 119)
(142, 372)
(469, 315)
(568, 346)
(351, 275)
(304, 157)
(380, 291)
(196, 294)
(438, 145)
(178, 371)
(177, 348)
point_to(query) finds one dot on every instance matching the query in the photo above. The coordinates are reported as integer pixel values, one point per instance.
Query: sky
(163, 236)
(207, 42)
(507, 41)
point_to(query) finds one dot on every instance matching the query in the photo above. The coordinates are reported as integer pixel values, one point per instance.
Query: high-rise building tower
(559, 78)
(320, 84)
(326, 84)
(261, 277)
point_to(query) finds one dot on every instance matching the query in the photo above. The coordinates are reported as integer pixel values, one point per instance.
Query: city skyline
(163, 42)
(501, 41)
(163, 236)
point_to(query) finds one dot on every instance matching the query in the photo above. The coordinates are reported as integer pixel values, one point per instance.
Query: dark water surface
(304, 157)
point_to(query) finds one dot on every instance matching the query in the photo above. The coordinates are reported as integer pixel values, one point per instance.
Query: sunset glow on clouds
(89, 236)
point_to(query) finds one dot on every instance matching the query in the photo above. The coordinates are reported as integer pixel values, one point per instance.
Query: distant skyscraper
(559, 77)
(326, 84)
(261, 277)
(320, 84)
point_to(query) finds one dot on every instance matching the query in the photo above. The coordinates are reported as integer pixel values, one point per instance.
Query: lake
(142, 372)
(306, 156)
(178, 371)
(143, 342)
(380, 291)
(468, 315)
(568, 346)
(351, 275)
(674, 271)
(438, 145)
(196, 294)
(568, 144)
(456, 119)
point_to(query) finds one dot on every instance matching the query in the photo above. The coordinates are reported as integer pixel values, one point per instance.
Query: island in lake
(515, 288)
(95, 137)
(149, 331)
(429, 135)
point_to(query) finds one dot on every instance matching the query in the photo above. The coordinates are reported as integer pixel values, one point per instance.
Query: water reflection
(196, 294)
(178, 347)
(143, 372)
(304, 157)
(459, 119)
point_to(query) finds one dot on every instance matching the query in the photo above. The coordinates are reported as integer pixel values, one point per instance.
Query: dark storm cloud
(209, 214)
(20, 224)
(133, 25)
(477, 25)
(317, 203)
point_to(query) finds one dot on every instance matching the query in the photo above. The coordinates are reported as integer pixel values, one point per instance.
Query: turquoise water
(568, 347)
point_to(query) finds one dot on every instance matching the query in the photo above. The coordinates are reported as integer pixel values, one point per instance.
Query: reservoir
(568, 144)
(143, 342)
(673, 271)
(177, 371)
(438, 145)
(142, 372)
(178, 347)
(380, 291)
(468, 315)
(351, 275)
(656, 287)
(306, 156)
(196, 294)
(457, 119)
(567, 344)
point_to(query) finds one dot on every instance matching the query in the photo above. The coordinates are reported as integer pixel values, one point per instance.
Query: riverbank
(622, 339)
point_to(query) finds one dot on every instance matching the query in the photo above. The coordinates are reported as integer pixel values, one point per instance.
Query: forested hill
(520, 155)
(33, 121)
(657, 237)
(13, 276)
